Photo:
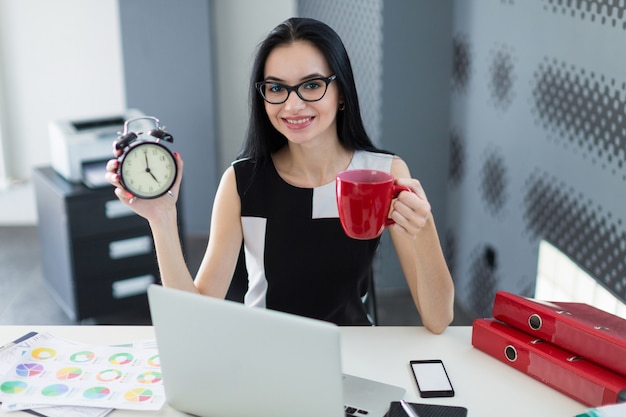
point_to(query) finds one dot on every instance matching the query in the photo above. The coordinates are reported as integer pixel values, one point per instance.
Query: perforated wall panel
(538, 143)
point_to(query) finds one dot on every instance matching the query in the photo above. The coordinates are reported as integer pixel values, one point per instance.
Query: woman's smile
(296, 123)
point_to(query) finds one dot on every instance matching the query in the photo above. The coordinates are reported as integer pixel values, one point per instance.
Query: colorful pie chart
(83, 356)
(96, 393)
(54, 390)
(138, 395)
(69, 373)
(28, 369)
(109, 375)
(150, 377)
(154, 361)
(121, 358)
(43, 353)
(13, 387)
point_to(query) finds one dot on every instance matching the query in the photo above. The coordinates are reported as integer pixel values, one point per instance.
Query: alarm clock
(147, 168)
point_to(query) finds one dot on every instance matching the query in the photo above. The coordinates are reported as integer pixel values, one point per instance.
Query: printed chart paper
(44, 370)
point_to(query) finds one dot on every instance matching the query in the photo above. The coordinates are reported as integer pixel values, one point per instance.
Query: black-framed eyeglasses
(309, 90)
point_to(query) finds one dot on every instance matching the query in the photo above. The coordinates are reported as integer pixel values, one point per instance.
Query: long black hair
(262, 138)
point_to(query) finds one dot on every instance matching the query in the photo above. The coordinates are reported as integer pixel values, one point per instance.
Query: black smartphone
(431, 378)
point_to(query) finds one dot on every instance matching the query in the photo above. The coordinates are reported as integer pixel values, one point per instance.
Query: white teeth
(298, 122)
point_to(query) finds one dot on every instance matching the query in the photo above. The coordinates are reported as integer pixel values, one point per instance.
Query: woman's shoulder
(242, 162)
(244, 166)
(250, 171)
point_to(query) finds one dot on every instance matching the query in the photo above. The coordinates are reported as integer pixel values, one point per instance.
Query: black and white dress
(298, 258)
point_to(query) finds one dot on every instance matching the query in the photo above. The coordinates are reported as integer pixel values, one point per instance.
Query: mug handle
(396, 190)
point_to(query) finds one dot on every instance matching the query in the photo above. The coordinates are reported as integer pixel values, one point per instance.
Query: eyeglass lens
(310, 90)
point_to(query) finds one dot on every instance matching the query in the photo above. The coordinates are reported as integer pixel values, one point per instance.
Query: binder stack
(574, 348)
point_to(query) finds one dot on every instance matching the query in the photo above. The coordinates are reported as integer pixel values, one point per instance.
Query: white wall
(239, 27)
(59, 59)
(4, 170)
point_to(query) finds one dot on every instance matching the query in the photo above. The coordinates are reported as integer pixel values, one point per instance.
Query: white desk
(482, 384)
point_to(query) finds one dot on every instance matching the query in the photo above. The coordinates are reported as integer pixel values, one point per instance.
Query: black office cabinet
(97, 255)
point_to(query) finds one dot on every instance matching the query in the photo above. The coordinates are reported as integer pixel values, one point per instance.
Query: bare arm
(218, 265)
(416, 241)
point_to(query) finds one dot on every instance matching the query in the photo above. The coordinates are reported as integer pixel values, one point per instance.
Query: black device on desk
(431, 378)
(427, 410)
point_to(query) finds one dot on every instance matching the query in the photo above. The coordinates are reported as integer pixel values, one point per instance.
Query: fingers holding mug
(414, 185)
(411, 210)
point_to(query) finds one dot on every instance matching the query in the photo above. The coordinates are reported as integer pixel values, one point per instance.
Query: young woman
(279, 197)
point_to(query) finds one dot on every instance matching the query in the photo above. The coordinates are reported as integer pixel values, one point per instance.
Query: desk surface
(482, 384)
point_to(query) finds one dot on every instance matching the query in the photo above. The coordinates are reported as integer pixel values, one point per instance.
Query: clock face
(148, 170)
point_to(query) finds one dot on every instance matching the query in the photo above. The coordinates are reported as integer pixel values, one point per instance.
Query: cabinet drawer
(100, 213)
(113, 253)
(103, 294)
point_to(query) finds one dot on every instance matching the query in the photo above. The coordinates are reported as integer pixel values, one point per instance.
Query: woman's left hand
(411, 210)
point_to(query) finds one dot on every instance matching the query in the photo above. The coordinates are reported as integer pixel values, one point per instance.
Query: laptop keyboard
(355, 412)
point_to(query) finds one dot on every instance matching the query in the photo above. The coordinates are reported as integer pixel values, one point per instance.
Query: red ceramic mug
(363, 201)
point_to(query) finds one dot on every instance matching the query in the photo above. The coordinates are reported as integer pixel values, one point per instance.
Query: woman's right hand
(150, 209)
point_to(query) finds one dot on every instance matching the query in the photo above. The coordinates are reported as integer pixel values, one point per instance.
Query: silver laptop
(220, 358)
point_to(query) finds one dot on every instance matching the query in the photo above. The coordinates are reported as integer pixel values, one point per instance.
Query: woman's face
(302, 122)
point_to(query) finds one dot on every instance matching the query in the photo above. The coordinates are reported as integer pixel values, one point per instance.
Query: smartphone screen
(431, 378)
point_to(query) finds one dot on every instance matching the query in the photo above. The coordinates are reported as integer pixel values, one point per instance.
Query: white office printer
(80, 148)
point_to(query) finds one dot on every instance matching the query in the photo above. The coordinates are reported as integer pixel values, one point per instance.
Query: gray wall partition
(417, 62)
(168, 74)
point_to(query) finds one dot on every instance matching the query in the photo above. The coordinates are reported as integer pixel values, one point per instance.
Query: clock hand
(152, 175)
(148, 167)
